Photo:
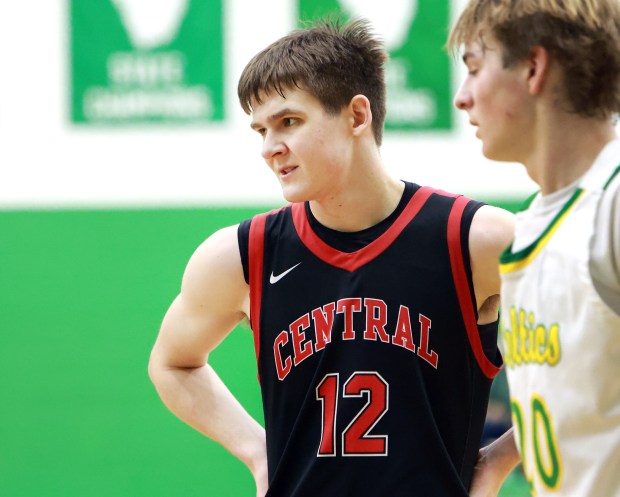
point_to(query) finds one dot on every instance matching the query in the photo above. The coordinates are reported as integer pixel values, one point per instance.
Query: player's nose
(272, 146)
(463, 99)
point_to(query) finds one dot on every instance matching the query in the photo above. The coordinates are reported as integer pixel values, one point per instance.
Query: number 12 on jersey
(355, 438)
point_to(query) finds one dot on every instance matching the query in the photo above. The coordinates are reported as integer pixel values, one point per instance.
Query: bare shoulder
(491, 231)
(216, 263)
(213, 300)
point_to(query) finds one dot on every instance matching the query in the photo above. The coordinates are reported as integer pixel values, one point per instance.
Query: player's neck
(366, 203)
(566, 150)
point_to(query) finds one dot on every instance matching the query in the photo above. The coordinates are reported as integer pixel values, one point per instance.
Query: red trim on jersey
(350, 261)
(256, 257)
(466, 300)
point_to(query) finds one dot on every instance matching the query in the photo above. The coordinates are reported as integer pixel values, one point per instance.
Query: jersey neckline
(350, 261)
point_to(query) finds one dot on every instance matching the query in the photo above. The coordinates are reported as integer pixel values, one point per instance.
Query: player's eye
(289, 121)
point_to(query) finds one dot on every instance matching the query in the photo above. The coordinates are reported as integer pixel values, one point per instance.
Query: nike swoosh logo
(274, 279)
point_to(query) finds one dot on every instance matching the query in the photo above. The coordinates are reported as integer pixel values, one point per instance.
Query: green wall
(82, 294)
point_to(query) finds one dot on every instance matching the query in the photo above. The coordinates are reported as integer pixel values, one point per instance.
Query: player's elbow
(156, 367)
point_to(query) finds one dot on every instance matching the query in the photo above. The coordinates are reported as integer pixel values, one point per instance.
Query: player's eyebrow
(273, 117)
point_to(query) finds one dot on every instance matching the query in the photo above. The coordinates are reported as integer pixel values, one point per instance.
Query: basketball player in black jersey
(373, 301)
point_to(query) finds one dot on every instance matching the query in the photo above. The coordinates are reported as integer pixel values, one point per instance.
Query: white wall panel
(47, 162)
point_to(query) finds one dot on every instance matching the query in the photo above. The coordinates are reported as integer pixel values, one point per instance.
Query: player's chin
(489, 149)
(294, 194)
(495, 153)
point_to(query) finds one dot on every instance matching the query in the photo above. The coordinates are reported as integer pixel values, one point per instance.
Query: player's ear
(538, 63)
(361, 115)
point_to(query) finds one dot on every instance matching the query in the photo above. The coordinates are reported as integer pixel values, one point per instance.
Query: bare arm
(491, 232)
(214, 298)
(495, 462)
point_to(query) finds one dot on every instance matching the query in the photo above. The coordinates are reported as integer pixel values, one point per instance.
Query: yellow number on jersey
(548, 464)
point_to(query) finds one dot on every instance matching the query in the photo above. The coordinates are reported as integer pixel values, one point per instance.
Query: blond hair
(583, 36)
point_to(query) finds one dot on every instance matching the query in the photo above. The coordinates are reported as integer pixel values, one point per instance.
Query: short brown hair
(333, 61)
(583, 36)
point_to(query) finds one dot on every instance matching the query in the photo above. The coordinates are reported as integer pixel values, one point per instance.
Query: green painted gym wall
(82, 294)
(96, 227)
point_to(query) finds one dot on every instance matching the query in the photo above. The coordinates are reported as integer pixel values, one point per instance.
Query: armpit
(604, 261)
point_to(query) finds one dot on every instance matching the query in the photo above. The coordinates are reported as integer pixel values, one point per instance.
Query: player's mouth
(285, 171)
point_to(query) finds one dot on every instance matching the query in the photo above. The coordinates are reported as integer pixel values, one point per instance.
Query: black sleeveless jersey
(373, 375)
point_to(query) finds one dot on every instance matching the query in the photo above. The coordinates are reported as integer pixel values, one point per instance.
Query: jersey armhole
(243, 238)
(256, 257)
(463, 286)
(604, 250)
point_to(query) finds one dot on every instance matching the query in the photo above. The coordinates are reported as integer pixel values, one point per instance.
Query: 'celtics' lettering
(529, 342)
